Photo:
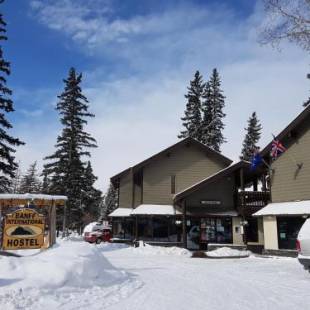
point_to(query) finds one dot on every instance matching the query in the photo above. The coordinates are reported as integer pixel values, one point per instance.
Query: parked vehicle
(97, 233)
(303, 245)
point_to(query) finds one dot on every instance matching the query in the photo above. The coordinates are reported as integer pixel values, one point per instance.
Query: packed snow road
(179, 282)
(76, 275)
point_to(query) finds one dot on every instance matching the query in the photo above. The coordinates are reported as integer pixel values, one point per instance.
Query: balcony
(249, 202)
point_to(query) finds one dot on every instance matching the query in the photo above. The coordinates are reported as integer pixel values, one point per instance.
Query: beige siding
(125, 191)
(189, 164)
(289, 183)
(270, 233)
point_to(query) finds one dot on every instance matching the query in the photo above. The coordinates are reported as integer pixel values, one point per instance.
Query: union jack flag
(276, 148)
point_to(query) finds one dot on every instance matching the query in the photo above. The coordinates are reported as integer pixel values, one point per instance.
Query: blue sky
(137, 58)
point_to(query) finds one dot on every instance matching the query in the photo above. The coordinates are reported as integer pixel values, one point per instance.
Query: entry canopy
(148, 209)
(121, 212)
(7, 200)
(286, 208)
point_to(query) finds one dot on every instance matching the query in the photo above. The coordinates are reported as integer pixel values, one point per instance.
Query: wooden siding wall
(222, 190)
(189, 165)
(125, 191)
(288, 182)
(138, 197)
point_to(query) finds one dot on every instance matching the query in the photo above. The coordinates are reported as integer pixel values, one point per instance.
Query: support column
(184, 225)
(136, 232)
(64, 221)
(243, 203)
(1, 227)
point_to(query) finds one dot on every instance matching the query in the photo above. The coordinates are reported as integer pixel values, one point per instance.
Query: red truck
(97, 233)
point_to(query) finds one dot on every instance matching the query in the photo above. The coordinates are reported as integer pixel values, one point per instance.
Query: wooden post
(243, 204)
(53, 223)
(136, 232)
(255, 185)
(1, 227)
(184, 225)
(264, 185)
(64, 221)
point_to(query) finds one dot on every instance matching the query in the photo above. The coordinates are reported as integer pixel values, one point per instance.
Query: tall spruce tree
(30, 182)
(65, 168)
(110, 201)
(8, 143)
(212, 121)
(91, 196)
(252, 136)
(307, 102)
(192, 115)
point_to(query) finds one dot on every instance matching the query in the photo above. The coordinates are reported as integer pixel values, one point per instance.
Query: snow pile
(76, 268)
(228, 252)
(147, 249)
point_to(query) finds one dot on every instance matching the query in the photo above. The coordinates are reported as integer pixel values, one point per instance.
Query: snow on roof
(286, 208)
(224, 213)
(32, 196)
(147, 209)
(121, 212)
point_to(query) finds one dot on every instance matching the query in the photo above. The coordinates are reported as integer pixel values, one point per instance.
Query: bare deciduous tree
(287, 20)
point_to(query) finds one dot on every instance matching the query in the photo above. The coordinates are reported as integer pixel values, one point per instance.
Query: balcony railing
(248, 199)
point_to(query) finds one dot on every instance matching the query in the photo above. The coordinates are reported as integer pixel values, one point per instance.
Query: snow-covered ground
(77, 275)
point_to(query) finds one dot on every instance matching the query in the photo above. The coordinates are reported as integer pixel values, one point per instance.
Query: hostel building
(189, 195)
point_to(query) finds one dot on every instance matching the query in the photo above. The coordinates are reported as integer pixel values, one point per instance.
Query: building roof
(285, 208)
(214, 177)
(36, 199)
(186, 141)
(289, 129)
(121, 212)
(151, 209)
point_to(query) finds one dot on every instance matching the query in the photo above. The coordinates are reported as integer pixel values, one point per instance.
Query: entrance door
(288, 228)
(193, 233)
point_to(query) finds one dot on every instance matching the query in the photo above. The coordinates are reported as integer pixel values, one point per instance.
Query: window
(173, 184)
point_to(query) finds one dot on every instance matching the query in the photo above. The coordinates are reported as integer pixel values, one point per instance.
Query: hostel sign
(23, 229)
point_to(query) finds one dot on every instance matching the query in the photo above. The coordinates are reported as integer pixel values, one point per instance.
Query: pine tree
(213, 104)
(65, 168)
(253, 134)
(110, 201)
(16, 181)
(192, 114)
(91, 198)
(306, 103)
(8, 143)
(30, 182)
(45, 184)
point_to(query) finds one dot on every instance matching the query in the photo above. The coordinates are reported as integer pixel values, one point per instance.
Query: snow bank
(228, 252)
(74, 267)
(147, 249)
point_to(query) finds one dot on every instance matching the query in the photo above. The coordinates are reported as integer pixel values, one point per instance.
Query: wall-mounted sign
(23, 229)
(210, 202)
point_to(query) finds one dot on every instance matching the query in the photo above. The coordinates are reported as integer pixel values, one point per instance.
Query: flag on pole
(277, 148)
(256, 160)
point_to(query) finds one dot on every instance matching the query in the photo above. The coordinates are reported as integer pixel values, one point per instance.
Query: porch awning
(121, 212)
(147, 209)
(286, 208)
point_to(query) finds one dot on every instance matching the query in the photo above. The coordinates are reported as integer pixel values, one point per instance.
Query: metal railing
(248, 199)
